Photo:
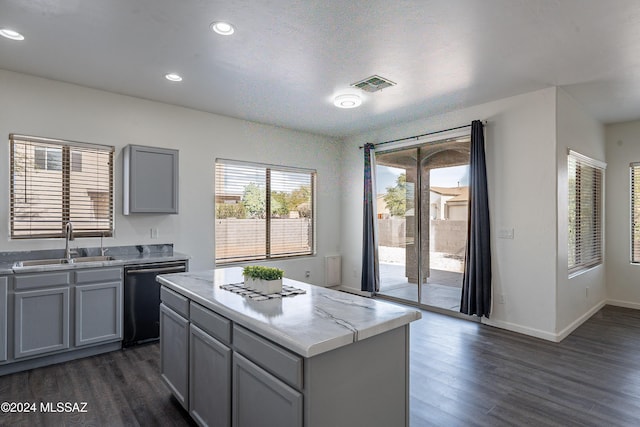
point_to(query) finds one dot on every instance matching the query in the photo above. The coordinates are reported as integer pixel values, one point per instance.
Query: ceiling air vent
(373, 83)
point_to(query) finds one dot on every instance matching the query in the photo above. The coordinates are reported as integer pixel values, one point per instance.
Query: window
(635, 212)
(586, 186)
(55, 181)
(252, 226)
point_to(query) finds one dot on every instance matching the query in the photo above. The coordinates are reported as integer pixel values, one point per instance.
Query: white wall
(521, 162)
(40, 107)
(580, 296)
(623, 278)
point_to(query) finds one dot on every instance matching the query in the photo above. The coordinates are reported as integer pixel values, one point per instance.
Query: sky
(442, 177)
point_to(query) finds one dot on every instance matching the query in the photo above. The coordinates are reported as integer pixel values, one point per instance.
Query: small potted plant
(266, 280)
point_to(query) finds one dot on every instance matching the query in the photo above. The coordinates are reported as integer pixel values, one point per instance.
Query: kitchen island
(314, 359)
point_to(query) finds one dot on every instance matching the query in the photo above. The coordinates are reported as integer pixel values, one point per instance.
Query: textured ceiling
(288, 59)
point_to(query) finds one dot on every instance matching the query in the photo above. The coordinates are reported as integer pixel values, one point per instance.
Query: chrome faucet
(103, 250)
(68, 235)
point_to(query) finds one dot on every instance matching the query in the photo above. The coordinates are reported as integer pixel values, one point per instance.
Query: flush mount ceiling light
(347, 101)
(173, 77)
(10, 34)
(222, 28)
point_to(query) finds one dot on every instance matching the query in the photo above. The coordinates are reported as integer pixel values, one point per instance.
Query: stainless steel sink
(55, 261)
(36, 262)
(92, 258)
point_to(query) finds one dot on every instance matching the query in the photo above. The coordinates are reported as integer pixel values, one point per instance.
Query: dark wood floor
(468, 374)
(121, 388)
(462, 374)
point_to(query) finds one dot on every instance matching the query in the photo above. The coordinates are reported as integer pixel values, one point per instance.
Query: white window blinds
(586, 187)
(635, 212)
(54, 181)
(262, 211)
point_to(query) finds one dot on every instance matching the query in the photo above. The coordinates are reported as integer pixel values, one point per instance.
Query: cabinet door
(41, 321)
(209, 379)
(174, 353)
(3, 318)
(260, 399)
(98, 313)
(150, 180)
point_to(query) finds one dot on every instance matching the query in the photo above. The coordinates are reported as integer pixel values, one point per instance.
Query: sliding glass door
(422, 200)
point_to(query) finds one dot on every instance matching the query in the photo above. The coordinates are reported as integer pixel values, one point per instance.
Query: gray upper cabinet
(4, 286)
(150, 180)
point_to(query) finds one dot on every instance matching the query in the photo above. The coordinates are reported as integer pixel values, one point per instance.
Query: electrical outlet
(505, 233)
(586, 292)
(501, 299)
(307, 273)
(154, 233)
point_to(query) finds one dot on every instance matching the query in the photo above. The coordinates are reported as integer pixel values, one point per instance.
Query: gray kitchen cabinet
(174, 353)
(98, 306)
(98, 313)
(209, 379)
(260, 399)
(41, 321)
(150, 180)
(4, 309)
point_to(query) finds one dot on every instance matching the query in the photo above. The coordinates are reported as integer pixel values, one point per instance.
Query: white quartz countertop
(308, 324)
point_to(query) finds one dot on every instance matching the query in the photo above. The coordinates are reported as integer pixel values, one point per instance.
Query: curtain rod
(416, 137)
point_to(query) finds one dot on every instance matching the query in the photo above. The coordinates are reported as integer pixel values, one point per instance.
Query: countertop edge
(117, 262)
(284, 340)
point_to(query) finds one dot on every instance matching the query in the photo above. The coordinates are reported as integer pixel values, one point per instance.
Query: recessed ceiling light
(173, 77)
(347, 101)
(222, 28)
(10, 34)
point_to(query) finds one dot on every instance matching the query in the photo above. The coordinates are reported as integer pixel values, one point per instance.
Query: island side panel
(362, 384)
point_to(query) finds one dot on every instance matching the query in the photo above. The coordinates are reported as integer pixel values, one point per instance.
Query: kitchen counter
(122, 255)
(308, 324)
(315, 359)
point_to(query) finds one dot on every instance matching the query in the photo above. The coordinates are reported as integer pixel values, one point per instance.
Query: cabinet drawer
(99, 275)
(175, 301)
(260, 399)
(31, 281)
(212, 323)
(280, 362)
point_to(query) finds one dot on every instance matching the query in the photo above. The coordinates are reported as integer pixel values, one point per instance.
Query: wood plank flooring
(462, 374)
(121, 388)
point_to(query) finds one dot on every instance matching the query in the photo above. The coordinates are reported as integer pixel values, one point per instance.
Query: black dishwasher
(142, 300)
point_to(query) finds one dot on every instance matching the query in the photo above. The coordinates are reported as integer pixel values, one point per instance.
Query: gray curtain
(476, 284)
(370, 280)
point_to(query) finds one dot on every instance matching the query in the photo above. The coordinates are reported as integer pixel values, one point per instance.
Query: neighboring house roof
(460, 194)
(462, 197)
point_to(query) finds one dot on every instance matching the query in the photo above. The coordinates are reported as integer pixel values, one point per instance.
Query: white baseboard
(549, 336)
(625, 304)
(520, 329)
(579, 321)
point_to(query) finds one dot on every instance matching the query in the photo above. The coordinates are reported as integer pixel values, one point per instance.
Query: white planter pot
(263, 286)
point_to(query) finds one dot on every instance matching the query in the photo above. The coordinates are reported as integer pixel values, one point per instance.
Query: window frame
(633, 219)
(268, 256)
(597, 196)
(68, 185)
